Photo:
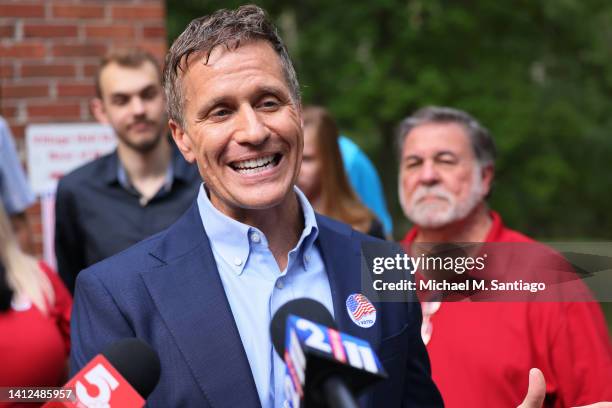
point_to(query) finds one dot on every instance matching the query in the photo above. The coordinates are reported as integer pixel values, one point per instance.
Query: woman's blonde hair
(339, 200)
(23, 274)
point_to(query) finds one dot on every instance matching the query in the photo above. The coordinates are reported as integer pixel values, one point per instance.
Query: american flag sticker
(361, 310)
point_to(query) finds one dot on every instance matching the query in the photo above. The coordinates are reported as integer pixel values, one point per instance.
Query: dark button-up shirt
(98, 213)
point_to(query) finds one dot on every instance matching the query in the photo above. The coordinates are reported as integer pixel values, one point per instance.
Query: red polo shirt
(481, 352)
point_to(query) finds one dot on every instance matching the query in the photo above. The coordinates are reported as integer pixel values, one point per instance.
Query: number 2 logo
(317, 337)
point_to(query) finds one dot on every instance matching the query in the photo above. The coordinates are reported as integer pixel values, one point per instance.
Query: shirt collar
(493, 234)
(230, 238)
(497, 227)
(179, 169)
(124, 180)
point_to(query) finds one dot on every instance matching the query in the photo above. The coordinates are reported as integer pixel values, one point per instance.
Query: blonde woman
(34, 317)
(322, 177)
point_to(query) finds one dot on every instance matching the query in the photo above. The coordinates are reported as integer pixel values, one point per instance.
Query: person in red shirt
(34, 319)
(481, 352)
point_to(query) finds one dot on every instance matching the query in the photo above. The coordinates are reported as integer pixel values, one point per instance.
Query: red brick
(79, 50)
(152, 11)
(80, 89)
(8, 112)
(78, 11)
(6, 71)
(36, 227)
(47, 70)
(54, 109)
(18, 130)
(154, 32)
(22, 50)
(157, 48)
(90, 70)
(24, 91)
(110, 31)
(50, 31)
(34, 210)
(7, 31)
(22, 10)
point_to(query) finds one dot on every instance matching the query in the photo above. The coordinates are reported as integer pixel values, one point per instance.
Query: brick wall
(49, 51)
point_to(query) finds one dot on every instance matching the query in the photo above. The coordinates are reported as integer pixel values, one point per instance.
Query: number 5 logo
(101, 378)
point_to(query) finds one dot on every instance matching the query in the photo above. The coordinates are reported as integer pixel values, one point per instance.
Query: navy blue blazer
(166, 290)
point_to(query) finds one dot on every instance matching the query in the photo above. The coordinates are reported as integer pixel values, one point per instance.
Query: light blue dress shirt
(255, 286)
(15, 192)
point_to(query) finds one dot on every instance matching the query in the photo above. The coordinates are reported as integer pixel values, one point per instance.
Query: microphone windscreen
(137, 362)
(308, 309)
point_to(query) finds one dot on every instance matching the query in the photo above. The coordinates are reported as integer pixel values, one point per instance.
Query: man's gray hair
(480, 138)
(227, 28)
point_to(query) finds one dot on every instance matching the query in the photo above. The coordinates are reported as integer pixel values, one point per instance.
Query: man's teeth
(254, 165)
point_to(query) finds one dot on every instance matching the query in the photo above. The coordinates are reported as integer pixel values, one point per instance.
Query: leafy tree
(537, 74)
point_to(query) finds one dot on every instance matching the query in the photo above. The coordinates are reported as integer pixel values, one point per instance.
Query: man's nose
(429, 174)
(250, 128)
(137, 106)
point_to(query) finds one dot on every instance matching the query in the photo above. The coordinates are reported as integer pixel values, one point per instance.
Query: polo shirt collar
(497, 227)
(230, 238)
(495, 231)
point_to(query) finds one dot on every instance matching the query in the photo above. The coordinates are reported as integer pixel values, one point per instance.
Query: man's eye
(269, 104)
(149, 94)
(120, 101)
(447, 161)
(411, 164)
(220, 113)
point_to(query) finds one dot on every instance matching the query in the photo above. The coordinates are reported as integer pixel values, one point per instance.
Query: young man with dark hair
(138, 190)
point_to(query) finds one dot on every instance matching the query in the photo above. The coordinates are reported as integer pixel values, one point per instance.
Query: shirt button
(280, 284)
(306, 258)
(255, 237)
(237, 261)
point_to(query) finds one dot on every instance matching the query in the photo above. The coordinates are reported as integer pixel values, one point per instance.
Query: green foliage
(538, 74)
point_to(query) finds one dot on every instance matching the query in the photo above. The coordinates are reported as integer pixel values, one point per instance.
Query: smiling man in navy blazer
(202, 293)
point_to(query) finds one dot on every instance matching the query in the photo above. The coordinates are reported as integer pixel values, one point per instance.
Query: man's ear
(182, 140)
(97, 109)
(488, 174)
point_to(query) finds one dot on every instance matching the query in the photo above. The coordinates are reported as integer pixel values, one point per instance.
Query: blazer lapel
(189, 295)
(342, 257)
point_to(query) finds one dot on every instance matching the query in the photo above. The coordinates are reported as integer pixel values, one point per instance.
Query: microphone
(324, 367)
(309, 309)
(123, 375)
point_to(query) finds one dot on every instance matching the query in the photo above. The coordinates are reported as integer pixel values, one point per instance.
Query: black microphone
(303, 307)
(325, 368)
(123, 375)
(137, 362)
